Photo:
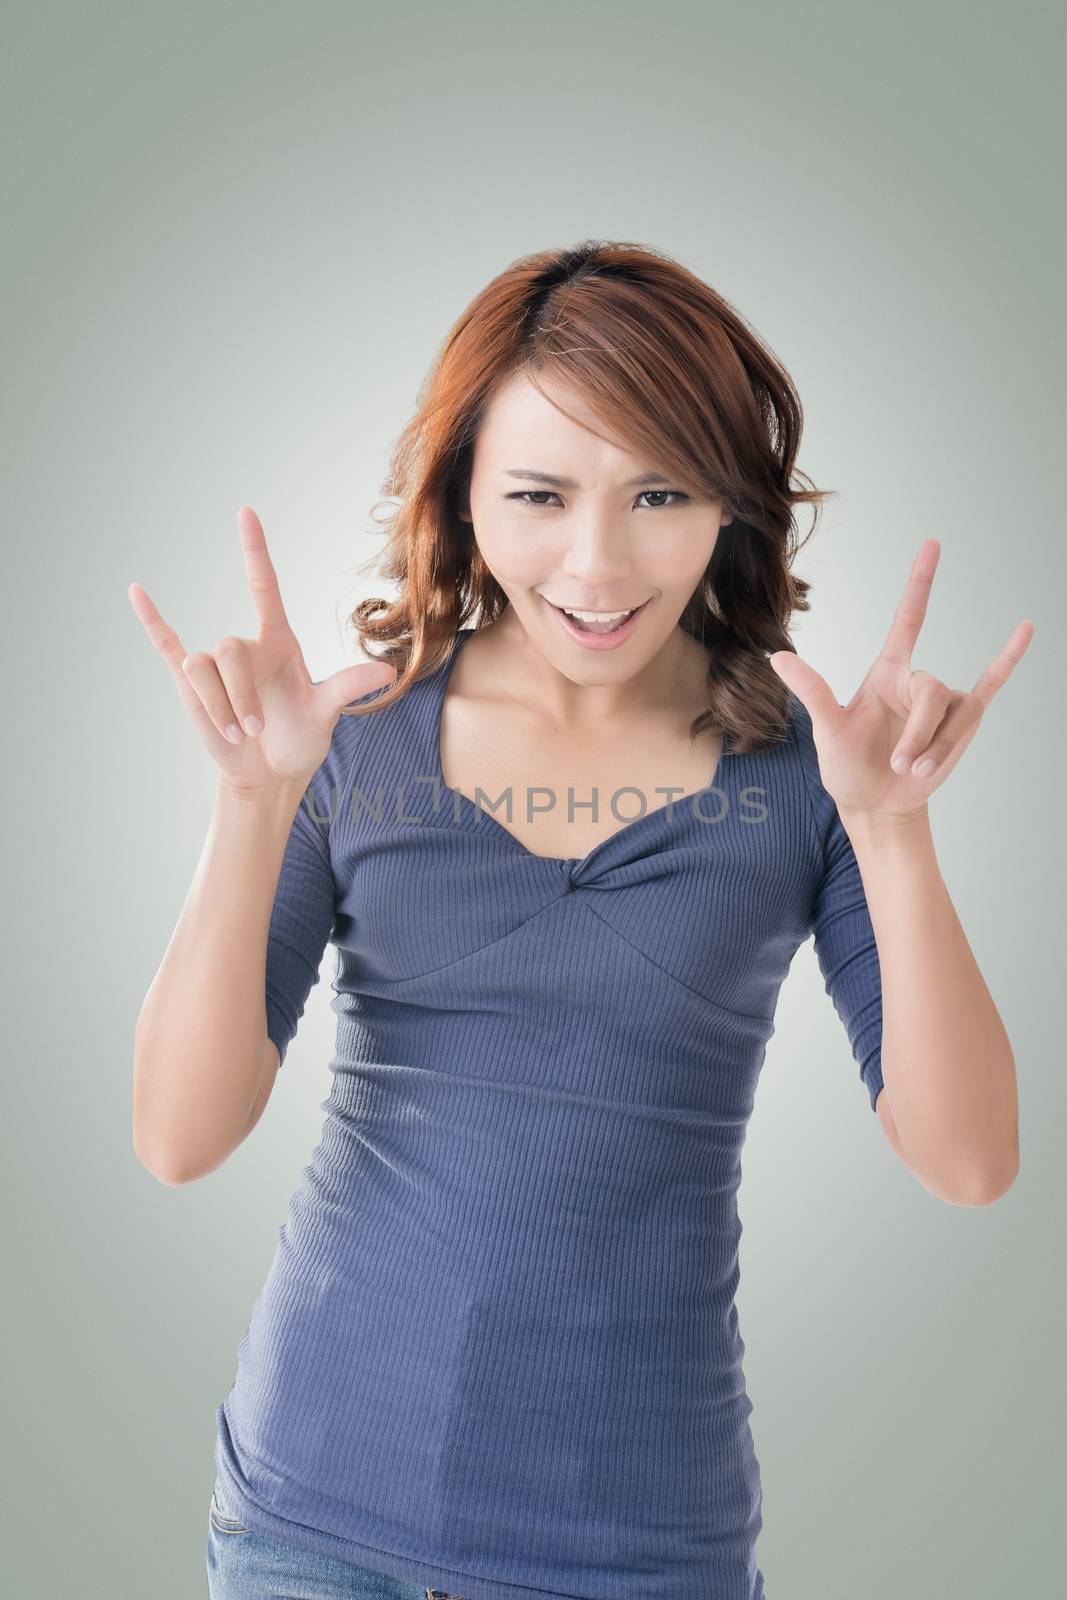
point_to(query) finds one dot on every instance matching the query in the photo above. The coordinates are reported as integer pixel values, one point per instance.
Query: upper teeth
(598, 616)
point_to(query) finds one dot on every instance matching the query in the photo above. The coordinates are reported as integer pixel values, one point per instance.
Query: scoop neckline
(573, 863)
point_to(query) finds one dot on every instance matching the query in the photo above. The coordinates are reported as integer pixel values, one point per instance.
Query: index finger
(911, 612)
(262, 578)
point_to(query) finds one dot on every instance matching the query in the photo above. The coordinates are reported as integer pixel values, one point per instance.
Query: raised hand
(261, 686)
(872, 751)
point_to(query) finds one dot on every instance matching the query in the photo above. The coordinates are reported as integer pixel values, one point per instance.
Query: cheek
(517, 557)
(677, 561)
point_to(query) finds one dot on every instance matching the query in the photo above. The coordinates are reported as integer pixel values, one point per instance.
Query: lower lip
(599, 641)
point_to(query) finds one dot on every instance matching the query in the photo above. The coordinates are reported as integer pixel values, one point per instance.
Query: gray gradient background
(234, 240)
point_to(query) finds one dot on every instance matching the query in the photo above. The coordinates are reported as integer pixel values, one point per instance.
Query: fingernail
(899, 764)
(252, 724)
(233, 733)
(924, 767)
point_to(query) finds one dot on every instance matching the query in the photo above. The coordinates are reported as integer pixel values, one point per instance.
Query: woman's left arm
(947, 1063)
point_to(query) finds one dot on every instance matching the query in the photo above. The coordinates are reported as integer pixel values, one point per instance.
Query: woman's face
(597, 542)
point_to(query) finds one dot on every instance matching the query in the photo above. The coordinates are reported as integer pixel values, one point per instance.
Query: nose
(595, 556)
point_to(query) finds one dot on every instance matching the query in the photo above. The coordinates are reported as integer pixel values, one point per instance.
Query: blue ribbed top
(497, 1352)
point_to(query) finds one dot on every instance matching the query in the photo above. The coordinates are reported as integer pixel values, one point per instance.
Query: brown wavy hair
(679, 375)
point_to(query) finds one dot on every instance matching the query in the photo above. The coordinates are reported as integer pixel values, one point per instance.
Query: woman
(566, 854)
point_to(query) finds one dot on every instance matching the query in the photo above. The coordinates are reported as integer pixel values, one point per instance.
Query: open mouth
(593, 624)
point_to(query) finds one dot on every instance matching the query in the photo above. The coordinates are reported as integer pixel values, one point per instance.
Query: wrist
(886, 828)
(280, 796)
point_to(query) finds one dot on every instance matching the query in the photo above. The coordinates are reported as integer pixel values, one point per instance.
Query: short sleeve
(302, 918)
(845, 946)
(848, 955)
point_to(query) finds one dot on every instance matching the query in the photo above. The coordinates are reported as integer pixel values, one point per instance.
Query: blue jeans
(245, 1565)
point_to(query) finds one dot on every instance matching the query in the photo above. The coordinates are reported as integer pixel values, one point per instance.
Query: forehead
(518, 413)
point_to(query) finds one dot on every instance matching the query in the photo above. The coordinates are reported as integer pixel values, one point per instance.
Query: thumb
(352, 683)
(813, 691)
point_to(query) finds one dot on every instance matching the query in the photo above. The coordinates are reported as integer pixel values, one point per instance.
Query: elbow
(165, 1170)
(992, 1185)
(983, 1186)
(995, 1175)
(154, 1155)
(176, 1164)
(178, 1145)
(171, 1167)
(976, 1172)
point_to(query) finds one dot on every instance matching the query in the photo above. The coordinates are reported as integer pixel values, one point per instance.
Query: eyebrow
(569, 483)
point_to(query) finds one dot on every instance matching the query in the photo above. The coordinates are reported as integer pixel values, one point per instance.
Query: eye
(677, 494)
(526, 496)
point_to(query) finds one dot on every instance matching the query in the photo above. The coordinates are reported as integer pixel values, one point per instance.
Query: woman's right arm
(203, 1065)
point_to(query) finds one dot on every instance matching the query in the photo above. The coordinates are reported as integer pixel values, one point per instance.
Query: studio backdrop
(237, 239)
